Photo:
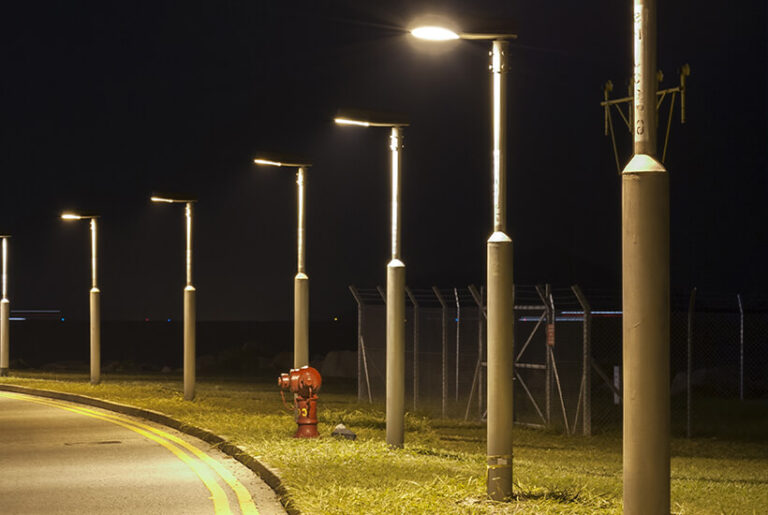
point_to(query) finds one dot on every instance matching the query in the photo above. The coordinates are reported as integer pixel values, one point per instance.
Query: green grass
(442, 467)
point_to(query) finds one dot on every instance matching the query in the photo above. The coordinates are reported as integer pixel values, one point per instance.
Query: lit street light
(189, 297)
(395, 402)
(501, 304)
(301, 280)
(5, 311)
(95, 295)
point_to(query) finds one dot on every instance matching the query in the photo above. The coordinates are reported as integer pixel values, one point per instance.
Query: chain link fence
(568, 356)
(725, 368)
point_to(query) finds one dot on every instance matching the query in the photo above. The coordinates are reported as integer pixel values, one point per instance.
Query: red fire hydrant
(304, 383)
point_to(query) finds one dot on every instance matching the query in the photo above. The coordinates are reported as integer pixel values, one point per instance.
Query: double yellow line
(206, 468)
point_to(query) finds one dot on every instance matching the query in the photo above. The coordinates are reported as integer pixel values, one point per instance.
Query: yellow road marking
(221, 504)
(219, 497)
(243, 496)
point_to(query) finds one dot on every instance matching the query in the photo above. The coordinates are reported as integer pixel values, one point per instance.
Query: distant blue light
(574, 316)
(557, 319)
(169, 319)
(17, 319)
(594, 312)
(62, 319)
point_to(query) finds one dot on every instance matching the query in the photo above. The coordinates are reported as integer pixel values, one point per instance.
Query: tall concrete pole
(5, 312)
(189, 316)
(501, 361)
(95, 305)
(395, 307)
(645, 274)
(300, 284)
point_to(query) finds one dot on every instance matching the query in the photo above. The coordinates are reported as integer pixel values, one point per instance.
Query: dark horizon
(105, 104)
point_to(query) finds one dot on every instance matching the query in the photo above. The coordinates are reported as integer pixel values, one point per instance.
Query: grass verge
(442, 467)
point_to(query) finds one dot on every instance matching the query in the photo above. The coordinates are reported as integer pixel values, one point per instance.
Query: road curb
(267, 474)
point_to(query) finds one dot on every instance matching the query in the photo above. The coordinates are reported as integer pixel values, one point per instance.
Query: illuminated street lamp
(301, 280)
(5, 311)
(501, 304)
(395, 403)
(189, 297)
(94, 297)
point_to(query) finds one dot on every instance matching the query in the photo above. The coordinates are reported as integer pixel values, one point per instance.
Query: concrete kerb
(266, 473)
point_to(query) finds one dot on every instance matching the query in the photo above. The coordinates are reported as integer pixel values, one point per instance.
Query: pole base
(306, 431)
(499, 478)
(3, 372)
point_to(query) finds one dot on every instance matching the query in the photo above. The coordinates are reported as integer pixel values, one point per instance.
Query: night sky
(105, 102)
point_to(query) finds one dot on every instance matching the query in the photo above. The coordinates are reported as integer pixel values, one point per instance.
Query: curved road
(59, 457)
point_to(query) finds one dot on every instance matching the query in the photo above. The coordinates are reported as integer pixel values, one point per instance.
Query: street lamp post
(95, 298)
(395, 396)
(189, 297)
(645, 291)
(301, 280)
(5, 312)
(501, 304)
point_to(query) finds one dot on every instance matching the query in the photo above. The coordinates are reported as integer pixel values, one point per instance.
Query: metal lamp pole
(5, 311)
(301, 280)
(95, 298)
(95, 304)
(190, 311)
(645, 274)
(501, 303)
(395, 396)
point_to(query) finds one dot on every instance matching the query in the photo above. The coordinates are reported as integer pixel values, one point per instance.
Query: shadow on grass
(439, 453)
(560, 496)
(557, 496)
(722, 480)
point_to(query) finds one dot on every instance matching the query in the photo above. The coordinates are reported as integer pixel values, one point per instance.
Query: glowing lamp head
(71, 216)
(349, 121)
(266, 162)
(434, 33)
(362, 118)
(282, 161)
(173, 199)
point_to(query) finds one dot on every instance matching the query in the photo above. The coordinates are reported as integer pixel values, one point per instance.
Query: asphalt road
(57, 457)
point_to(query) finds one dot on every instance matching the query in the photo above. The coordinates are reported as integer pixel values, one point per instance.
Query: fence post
(480, 355)
(359, 302)
(691, 305)
(545, 294)
(415, 346)
(478, 379)
(586, 376)
(741, 348)
(444, 366)
(458, 330)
